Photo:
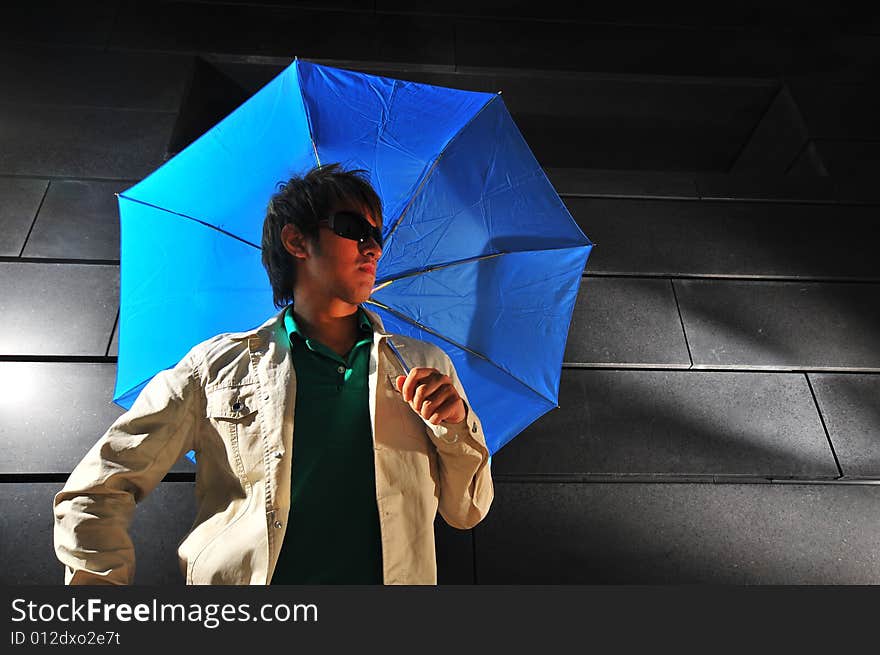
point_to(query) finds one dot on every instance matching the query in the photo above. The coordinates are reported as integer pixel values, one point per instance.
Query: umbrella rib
(168, 211)
(433, 166)
(421, 326)
(302, 99)
(385, 282)
(438, 267)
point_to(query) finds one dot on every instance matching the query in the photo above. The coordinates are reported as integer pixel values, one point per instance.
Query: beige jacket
(231, 399)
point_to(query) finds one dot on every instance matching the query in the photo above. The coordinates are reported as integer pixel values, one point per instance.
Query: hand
(431, 395)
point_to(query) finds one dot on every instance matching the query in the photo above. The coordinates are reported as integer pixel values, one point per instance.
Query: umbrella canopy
(481, 256)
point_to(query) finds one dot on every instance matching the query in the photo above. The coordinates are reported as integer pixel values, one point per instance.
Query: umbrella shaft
(399, 357)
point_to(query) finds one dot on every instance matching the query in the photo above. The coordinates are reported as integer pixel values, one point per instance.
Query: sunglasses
(354, 226)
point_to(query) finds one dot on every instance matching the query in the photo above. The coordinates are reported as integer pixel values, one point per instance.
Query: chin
(361, 296)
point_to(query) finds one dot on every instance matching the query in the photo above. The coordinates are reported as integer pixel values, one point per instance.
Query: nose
(371, 245)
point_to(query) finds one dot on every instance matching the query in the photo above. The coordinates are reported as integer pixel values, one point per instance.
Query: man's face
(343, 268)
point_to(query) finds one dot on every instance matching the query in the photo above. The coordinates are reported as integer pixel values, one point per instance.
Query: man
(320, 458)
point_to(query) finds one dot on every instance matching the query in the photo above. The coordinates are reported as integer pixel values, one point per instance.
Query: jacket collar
(274, 326)
(292, 327)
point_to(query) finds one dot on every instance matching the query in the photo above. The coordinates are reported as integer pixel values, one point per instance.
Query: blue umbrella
(481, 256)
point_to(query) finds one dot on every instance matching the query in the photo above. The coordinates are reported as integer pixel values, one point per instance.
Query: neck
(333, 322)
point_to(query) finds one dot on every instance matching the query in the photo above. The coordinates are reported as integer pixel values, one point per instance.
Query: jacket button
(277, 454)
(475, 428)
(236, 407)
(277, 524)
(340, 369)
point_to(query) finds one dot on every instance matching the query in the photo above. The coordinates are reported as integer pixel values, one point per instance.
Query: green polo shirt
(333, 530)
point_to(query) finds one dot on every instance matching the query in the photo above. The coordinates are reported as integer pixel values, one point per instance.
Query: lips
(368, 268)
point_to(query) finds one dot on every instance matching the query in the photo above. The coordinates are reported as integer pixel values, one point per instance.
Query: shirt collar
(291, 326)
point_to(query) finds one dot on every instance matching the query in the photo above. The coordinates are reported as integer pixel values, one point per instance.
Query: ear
(294, 241)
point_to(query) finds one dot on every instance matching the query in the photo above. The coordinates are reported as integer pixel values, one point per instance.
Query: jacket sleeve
(466, 489)
(94, 509)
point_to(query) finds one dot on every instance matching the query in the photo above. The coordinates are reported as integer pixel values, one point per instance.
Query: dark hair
(304, 200)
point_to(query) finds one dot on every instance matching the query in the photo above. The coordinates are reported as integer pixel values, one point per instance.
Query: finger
(448, 409)
(435, 400)
(407, 388)
(412, 380)
(428, 387)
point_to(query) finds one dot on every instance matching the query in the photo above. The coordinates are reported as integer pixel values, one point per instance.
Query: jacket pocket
(234, 413)
(233, 403)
